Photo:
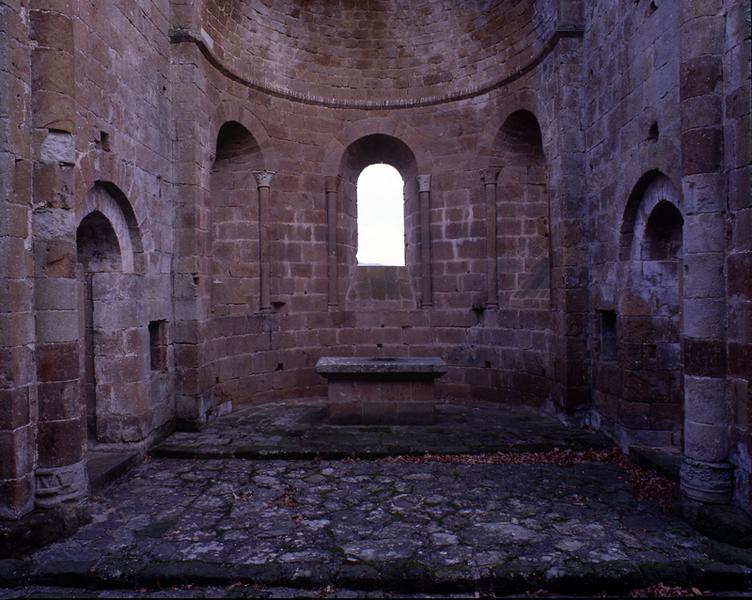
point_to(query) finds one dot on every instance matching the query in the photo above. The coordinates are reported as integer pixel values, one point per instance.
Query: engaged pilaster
(489, 177)
(331, 185)
(263, 183)
(706, 475)
(424, 193)
(60, 475)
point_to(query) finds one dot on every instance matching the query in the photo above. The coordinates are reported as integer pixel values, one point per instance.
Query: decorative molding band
(205, 45)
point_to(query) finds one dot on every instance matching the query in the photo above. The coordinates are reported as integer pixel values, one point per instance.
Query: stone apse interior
(178, 217)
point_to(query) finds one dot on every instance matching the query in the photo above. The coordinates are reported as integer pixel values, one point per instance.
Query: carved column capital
(490, 175)
(424, 183)
(331, 183)
(264, 178)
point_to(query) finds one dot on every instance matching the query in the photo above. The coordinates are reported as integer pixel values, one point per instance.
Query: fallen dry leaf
(661, 590)
(647, 483)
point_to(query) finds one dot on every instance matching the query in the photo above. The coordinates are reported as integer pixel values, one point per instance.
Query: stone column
(424, 193)
(706, 475)
(489, 177)
(17, 335)
(264, 182)
(331, 185)
(60, 475)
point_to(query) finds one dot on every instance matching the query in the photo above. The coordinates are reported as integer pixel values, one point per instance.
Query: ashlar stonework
(178, 219)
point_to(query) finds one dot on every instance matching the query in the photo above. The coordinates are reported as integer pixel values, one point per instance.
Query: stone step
(396, 576)
(302, 432)
(104, 467)
(664, 460)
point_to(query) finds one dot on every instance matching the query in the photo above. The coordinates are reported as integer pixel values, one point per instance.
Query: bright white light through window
(381, 216)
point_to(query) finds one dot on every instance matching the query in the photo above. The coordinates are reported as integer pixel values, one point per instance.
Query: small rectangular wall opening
(104, 141)
(158, 345)
(608, 334)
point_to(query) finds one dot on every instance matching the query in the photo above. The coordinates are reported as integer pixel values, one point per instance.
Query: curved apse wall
(377, 52)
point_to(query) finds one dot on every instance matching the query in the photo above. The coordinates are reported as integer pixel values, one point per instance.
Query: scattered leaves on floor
(661, 590)
(552, 457)
(287, 498)
(326, 591)
(242, 496)
(647, 483)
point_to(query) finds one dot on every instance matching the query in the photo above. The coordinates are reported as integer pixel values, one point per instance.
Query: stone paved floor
(355, 528)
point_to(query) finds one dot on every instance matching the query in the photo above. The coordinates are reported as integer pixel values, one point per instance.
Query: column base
(56, 485)
(725, 523)
(707, 482)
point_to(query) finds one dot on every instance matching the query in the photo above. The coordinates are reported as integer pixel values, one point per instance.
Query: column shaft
(424, 192)
(706, 475)
(492, 280)
(264, 181)
(332, 187)
(60, 474)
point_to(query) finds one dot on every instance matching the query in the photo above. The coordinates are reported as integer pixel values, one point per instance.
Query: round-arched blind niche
(381, 216)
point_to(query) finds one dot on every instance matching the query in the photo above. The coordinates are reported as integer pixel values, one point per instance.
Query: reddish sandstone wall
(549, 149)
(377, 51)
(507, 353)
(122, 90)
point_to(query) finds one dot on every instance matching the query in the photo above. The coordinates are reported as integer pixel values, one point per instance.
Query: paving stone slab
(368, 525)
(300, 431)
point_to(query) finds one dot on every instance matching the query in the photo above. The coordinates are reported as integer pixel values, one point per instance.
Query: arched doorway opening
(650, 315)
(114, 374)
(97, 251)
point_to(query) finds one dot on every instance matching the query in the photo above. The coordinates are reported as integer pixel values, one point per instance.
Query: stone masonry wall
(632, 131)
(17, 336)
(86, 132)
(124, 137)
(261, 356)
(577, 217)
(386, 50)
(737, 123)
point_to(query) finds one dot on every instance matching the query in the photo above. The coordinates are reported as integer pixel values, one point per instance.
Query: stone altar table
(380, 390)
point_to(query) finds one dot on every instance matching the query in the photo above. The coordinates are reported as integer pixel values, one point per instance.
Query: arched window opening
(381, 216)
